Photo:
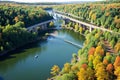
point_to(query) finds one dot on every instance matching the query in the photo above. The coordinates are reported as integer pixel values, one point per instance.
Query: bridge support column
(42, 27)
(79, 24)
(45, 26)
(90, 29)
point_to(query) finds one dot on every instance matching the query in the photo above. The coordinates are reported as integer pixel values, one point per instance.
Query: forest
(103, 14)
(99, 59)
(14, 19)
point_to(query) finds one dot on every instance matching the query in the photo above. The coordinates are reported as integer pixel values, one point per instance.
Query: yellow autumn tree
(90, 74)
(55, 70)
(82, 74)
(16, 19)
(117, 47)
(81, 29)
(97, 60)
(75, 68)
(90, 14)
(101, 73)
(51, 24)
(76, 27)
(93, 16)
(85, 74)
(99, 51)
(117, 73)
(91, 58)
(67, 67)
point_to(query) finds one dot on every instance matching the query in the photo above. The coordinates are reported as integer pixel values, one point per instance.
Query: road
(84, 23)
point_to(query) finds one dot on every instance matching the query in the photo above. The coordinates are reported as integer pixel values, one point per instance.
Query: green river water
(22, 65)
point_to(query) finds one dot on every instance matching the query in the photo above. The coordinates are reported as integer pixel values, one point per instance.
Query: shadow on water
(1, 78)
(23, 49)
(20, 55)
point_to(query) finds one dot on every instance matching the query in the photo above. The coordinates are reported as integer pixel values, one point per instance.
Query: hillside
(99, 59)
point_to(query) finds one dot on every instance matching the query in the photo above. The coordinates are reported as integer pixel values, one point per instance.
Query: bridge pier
(66, 21)
(90, 29)
(33, 29)
(40, 27)
(44, 26)
(79, 25)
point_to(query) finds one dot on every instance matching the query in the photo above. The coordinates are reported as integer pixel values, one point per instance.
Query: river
(23, 65)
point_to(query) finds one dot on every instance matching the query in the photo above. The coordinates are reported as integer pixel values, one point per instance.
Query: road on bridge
(36, 25)
(84, 23)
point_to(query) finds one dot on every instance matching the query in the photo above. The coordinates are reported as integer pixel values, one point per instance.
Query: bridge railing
(67, 15)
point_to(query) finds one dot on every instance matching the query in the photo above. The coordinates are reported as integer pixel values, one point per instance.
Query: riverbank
(15, 48)
(39, 37)
(24, 62)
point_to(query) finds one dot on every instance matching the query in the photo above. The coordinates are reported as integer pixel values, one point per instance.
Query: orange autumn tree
(117, 62)
(84, 66)
(105, 61)
(110, 68)
(91, 51)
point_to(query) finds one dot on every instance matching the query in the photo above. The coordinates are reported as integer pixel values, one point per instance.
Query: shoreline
(30, 42)
(33, 41)
(2, 53)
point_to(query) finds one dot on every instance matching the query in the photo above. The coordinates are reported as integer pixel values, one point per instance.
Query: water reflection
(22, 64)
(20, 56)
(1, 78)
(51, 51)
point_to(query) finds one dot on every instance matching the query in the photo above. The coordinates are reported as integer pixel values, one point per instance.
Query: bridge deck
(36, 25)
(84, 23)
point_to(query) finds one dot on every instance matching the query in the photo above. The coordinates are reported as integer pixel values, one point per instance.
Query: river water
(24, 65)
